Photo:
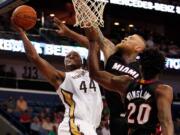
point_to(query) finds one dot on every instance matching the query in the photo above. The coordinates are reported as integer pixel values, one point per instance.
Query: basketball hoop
(89, 12)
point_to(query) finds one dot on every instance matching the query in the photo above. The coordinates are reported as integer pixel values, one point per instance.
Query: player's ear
(138, 48)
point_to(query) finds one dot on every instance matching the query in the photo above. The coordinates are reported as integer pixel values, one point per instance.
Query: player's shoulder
(164, 89)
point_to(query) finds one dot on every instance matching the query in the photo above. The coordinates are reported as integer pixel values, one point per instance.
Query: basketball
(24, 16)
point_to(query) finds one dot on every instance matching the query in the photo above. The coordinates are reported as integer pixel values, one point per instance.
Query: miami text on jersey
(125, 69)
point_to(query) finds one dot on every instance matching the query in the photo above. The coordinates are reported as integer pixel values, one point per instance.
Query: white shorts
(83, 127)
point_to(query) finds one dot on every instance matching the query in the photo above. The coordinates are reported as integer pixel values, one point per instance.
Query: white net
(89, 12)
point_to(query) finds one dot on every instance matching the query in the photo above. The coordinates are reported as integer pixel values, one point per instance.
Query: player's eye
(67, 56)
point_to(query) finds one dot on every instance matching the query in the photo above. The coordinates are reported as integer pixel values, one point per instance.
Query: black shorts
(118, 126)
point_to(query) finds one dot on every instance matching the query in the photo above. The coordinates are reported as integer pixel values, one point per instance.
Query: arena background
(156, 20)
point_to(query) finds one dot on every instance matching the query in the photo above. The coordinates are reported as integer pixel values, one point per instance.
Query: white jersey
(83, 103)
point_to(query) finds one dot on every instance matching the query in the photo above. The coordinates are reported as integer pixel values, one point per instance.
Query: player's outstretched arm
(164, 97)
(106, 45)
(63, 30)
(54, 76)
(107, 80)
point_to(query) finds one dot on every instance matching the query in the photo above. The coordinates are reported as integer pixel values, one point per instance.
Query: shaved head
(132, 44)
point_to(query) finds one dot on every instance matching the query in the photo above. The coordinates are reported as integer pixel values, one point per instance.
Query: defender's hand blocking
(92, 33)
(62, 28)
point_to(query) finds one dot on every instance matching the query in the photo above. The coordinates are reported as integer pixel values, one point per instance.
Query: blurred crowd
(37, 121)
(168, 47)
(44, 120)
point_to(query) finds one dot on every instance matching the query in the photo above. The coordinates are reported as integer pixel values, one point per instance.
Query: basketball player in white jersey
(80, 95)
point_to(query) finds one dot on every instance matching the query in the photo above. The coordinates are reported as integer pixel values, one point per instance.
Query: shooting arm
(164, 100)
(54, 76)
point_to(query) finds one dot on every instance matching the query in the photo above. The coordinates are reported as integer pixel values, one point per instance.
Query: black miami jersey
(117, 66)
(141, 108)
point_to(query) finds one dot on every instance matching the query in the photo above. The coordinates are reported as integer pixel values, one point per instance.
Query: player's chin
(70, 65)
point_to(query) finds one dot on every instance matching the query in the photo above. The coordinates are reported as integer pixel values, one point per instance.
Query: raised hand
(62, 28)
(92, 33)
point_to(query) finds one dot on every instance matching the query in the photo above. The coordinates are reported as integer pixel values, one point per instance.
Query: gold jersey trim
(68, 98)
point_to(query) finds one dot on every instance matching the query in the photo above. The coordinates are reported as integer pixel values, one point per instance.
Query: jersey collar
(142, 81)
